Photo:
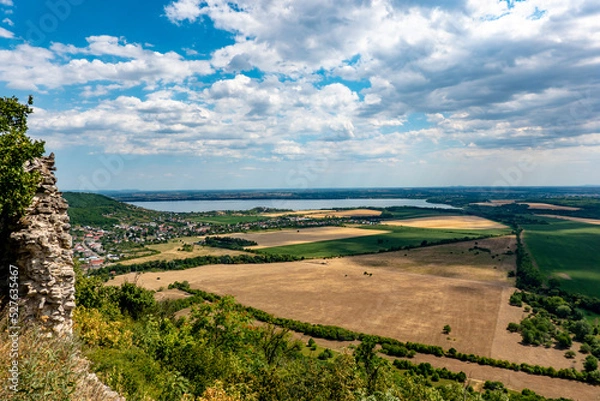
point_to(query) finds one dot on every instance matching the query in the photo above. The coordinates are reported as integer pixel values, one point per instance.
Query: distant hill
(87, 209)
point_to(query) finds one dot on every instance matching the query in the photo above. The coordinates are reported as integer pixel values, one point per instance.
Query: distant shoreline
(352, 193)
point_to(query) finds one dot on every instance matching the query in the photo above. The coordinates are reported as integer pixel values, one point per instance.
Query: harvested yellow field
(348, 213)
(548, 206)
(173, 250)
(305, 235)
(578, 219)
(459, 260)
(409, 298)
(448, 222)
(406, 306)
(170, 294)
(532, 205)
(321, 214)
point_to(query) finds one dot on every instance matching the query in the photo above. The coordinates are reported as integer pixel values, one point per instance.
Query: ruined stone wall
(42, 247)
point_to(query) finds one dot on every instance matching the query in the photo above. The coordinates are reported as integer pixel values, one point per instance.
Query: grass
(568, 251)
(401, 213)
(397, 237)
(50, 369)
(591, 317)
(173, 249)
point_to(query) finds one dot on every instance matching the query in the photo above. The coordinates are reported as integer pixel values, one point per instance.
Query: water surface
(291, 204)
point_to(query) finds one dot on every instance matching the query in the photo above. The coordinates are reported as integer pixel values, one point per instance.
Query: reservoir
(288, 204)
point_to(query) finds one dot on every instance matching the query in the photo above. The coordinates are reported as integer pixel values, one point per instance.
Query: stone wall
(42, 248)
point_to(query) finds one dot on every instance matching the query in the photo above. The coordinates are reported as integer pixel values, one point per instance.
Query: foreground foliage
(220, 353)
(49, 369)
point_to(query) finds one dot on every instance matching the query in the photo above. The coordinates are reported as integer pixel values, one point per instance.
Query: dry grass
(449, 222)
(407, 295)
(546, 386)
(578, 219)
(170, 294)
(459, 260)
(548, 206)
(305, 235)
(532, 205)
(49, 369)
(406, 306)
(172, 250)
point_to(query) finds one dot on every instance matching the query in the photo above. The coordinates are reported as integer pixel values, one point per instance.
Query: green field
(406, 212)
(227, 219)
(567, 250)
(397, 237)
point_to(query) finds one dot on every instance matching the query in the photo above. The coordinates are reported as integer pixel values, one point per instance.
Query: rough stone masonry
(44, 255)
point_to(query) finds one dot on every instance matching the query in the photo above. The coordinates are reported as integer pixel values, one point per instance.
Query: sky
(293, 94)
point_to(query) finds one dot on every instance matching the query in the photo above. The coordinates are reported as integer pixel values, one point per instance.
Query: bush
(513, 327)
(326, 354)
(590, 364)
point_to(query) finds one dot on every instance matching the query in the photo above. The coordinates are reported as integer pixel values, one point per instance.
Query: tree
(366, 357)
(590, 364)
(581, 329)
(135, 301)
(447, 329)
(564, 340)
(17, 185)
(221, 322)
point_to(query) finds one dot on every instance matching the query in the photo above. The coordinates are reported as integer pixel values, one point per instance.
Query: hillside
(86, 209)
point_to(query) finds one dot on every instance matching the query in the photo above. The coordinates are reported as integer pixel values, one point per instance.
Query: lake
(293, 204)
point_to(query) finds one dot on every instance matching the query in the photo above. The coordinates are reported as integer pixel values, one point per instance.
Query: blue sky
(189, 94)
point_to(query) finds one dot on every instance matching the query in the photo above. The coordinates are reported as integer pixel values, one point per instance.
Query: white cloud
(4, 33)
(33, 68)
(6, 3)
(8, 22)
(338, 80)
(182, 10)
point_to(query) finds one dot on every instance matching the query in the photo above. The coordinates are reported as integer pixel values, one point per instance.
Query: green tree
(135, 301)
(590, 364)
(17, 186)
(222, 323)
(366, 357)
(276, 345)
(564, 340)
(447, 329)
(16, 148)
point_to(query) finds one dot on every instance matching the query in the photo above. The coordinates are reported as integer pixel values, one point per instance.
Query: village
(96, 247)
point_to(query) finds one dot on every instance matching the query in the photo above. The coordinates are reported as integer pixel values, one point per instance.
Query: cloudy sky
(190, 94)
